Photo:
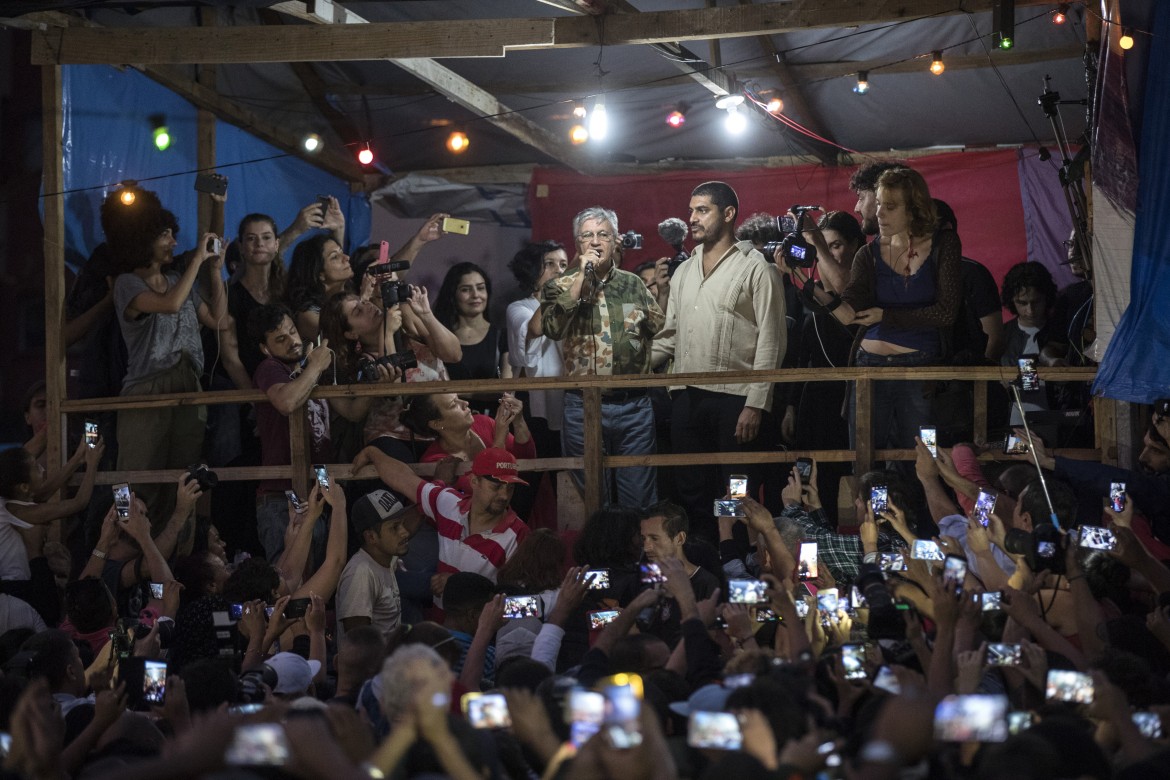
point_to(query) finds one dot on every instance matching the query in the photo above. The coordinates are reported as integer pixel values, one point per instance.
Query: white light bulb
(598, 122)
(736, 122)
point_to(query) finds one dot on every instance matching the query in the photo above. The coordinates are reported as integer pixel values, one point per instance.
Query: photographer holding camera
(733, 320)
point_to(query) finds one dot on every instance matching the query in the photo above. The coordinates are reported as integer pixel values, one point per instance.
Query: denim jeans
(627, 428)
(898, 408)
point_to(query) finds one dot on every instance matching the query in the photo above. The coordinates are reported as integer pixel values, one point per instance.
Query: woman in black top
(462, 306)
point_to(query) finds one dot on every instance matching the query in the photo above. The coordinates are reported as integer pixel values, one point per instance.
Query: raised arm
(39, 514)
(418, 317)
(394, 473)
(150, 302)
(324, 580)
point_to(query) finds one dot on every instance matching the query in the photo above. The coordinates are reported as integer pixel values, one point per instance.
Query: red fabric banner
(982, 187)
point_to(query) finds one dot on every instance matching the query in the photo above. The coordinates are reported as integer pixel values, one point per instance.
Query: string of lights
(593, 124)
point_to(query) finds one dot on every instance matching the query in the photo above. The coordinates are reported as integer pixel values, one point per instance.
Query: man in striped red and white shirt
(477, 532)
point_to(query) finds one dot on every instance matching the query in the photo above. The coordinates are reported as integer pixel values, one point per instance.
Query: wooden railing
(595, 461)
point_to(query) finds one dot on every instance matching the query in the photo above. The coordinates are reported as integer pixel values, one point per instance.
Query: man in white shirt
(368, 591)
(725, 313)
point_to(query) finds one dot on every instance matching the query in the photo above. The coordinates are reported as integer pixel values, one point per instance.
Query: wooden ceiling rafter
(457, 38)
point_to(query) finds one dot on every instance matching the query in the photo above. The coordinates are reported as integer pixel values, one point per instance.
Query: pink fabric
(969, 469)
(982, 187)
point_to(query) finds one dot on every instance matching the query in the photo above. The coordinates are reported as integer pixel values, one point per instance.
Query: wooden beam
(794, 102)
(467, 37)
(205, 129)
(462, 92)
(53, 181)
(828, 70)
(596, 488)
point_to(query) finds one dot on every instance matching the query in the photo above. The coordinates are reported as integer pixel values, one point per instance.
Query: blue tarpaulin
(1136, 367)
(107, 139)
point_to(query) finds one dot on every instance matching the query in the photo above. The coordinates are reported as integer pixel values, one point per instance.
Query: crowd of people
(966, 617)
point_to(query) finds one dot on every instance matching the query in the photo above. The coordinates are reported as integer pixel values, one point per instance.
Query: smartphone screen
(91, 435)
(597, 579)
(737, 486)
(827, 601)
(516, 607)
(746, 591)
(971, 718)
(766, 615)
(804, 469)
(1029, 379)
(714, 730)
(122, 500)
(257, 744)
(853, 661)
(892, 562)
(1149, 724)
(322, 475)
(235, 611)
(879, 500)
(1000, 654)
(1014, 445)
(1097, 538)
(1117, 496)
(486, 710)
(984, 505)
(601, 617)
(728, 507)
(929, 438)
(808, 561)
(623, 707)
(926, 550)
(651, 573)
(1019, 721)
(298, 505)
(156, 590)
(154, 683)
(954, 571)
(1067, 685)
(857, 598)
(586, 713)
(887, 681)
(991, 601)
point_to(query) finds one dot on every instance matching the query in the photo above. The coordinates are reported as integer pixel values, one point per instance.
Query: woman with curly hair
(903, 290)
(160, 311)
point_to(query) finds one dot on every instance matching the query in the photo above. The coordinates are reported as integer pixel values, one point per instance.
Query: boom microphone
(673, 231)
(797, 209)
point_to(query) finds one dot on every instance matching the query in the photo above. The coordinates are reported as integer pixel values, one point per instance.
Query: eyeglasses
(602, 235)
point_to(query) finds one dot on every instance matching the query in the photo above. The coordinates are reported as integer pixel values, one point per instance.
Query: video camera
(884, 620)
(206, 478)
(796, 251)
(1043, 548)
(400, 360)
(394, 293)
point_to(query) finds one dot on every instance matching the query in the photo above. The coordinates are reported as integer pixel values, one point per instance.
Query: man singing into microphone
(605, 319)
(725, 313)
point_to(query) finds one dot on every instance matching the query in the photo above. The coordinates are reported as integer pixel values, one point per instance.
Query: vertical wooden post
(979, 426)
(53, 182)
(594, 450)
(298, 439)
(205, 131)
(1105, 423)
(863, 426)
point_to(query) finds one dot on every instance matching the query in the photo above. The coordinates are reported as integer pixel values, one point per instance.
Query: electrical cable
(1035, 458)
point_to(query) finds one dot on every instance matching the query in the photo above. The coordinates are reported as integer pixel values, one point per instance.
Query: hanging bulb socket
(936, 64)
(1060, 15)
(862, 86)
(366, 156)
(599, 121)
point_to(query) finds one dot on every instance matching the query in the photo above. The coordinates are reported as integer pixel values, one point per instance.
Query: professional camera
(674, 231)
(124, 634)
(206, 478)
(1043, 548)
(394, 293)
(631, 240)
(252, 688)
(400, 360)
(884, 620)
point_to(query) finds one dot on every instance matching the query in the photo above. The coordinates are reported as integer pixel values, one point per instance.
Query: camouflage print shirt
(612, 335)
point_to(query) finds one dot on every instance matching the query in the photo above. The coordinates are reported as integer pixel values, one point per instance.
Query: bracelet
(99, 554)
(833, 304)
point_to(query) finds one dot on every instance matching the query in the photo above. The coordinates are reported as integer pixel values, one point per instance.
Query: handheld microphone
(589, 268)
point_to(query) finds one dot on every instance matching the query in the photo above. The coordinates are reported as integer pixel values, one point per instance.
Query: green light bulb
(162, 139)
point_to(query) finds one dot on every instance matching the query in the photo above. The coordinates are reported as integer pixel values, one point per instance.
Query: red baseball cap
(499, 464)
